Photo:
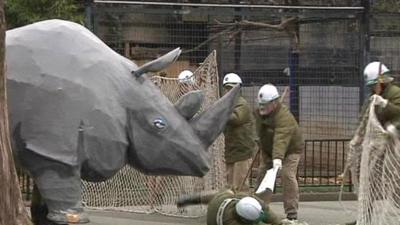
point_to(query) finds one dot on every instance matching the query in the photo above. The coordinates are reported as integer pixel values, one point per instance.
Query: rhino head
(75, 101)
(169, 139)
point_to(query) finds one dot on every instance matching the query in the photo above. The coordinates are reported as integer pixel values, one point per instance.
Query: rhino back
(65, 90)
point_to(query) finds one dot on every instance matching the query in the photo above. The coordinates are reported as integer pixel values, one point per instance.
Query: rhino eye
(159, 123)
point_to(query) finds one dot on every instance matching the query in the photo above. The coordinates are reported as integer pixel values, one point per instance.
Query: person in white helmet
(186, 76)
(281, 144)
(229, 208)
(240, 138)
(386, 96)
(187, 82)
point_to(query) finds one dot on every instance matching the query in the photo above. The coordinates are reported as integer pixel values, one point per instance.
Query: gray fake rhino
(80, 110)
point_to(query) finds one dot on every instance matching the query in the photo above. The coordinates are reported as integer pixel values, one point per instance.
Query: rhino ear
(189, 104)
(159, 63)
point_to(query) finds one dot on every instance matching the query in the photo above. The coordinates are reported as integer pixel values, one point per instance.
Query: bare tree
(12, 210)
(287, 25)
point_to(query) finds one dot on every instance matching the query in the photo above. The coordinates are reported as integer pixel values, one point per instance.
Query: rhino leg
(39, 209)
(59, 187)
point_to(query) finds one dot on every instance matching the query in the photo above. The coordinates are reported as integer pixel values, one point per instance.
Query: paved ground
(314, 213)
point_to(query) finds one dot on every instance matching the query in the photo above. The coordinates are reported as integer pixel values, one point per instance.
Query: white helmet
(186, 76)
(267, 93)
(231, 78)
(374, 71)
(249, 208)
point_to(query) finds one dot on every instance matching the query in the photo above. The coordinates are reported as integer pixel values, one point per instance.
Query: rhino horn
(189, 104)
(211, 122)
(159, 63)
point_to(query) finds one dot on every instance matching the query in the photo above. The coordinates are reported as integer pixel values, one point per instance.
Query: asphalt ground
(313, 213)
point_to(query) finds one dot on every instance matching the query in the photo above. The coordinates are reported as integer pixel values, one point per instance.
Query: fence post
(238, 43)
(293, 87)
(88, 14)
(365, 47)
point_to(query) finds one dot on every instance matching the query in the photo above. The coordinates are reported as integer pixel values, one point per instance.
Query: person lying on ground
(229, 208)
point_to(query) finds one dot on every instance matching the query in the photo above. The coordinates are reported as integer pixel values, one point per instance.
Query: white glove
(392, 129)
(379, 101)
(277, 164)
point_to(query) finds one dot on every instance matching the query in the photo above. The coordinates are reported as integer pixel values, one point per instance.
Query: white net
(130, 190)
(374, 162)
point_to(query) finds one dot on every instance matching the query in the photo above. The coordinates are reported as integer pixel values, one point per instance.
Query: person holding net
(385, 97)
(230, 208)
(186, 82)
(186, 77)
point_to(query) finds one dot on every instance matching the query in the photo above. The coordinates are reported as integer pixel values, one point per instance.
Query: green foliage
(390, 6)
(22, 12)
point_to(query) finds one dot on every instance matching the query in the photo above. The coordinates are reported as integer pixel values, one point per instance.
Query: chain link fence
(317, 51)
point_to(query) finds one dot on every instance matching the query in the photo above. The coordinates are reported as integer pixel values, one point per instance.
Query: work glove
(392, 129)
(379, 101)
(277, 164)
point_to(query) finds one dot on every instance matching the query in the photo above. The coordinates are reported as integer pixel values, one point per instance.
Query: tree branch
(215, 36)
(233, 29)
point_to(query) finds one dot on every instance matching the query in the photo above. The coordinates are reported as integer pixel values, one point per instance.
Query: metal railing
(321, 164)
(25, 183)
(323, 161)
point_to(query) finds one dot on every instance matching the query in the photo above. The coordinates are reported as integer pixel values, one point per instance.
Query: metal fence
(318, 54)
(321, 164)
(26, 184)
(323, 161)
(318, 51)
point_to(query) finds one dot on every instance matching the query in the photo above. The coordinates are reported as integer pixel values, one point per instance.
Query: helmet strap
(262, 218)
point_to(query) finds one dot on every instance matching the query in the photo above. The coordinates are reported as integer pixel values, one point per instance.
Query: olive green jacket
(240, 135)
(391, 113)
(279, 133)
(230, 217)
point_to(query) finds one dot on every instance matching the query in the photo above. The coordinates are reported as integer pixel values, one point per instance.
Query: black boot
(291, 216)
(188, 200)
(38, 208)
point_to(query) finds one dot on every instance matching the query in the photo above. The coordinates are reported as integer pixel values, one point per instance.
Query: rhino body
(77, 111)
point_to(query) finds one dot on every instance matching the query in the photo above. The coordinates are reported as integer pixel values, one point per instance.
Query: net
(130, 190)
(374, 162)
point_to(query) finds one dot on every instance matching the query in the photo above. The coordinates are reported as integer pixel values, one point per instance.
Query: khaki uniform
(240, 144)
(230, 217)
(281, 138)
